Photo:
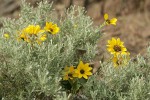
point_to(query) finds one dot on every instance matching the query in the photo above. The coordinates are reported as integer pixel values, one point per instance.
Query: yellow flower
(69, 73)
(121, 60)
(115, 46)
(51, 28)
(6, 35)
(24, 37)
(83, 70)
(33, 29)
(42, 38)
(110, 21)
(32, 34)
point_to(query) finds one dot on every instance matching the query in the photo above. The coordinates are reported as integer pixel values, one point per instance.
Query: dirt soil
(133, 19)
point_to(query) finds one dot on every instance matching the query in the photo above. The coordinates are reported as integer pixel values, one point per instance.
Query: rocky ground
(133, 19)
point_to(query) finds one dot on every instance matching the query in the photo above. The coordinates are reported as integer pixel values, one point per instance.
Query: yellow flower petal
(71, 68)
(124, 49)
(113, 24)
(79, 75)
(113, 41)
(89, 68)
(113, 21)
(85, 76)
(106, 16)
(88, 73)
(43, 37)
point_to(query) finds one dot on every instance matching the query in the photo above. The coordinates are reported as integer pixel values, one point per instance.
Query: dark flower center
(108, 21)
(82, 71)
(70, 74)
(117, 48)
(51, 29)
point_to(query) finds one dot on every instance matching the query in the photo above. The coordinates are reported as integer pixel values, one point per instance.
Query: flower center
(108, 21)
(82, 71)
(117, 48)
(51, 29)
(70, 74)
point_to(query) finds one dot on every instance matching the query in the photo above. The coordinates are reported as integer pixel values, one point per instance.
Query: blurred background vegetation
(133, 19)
